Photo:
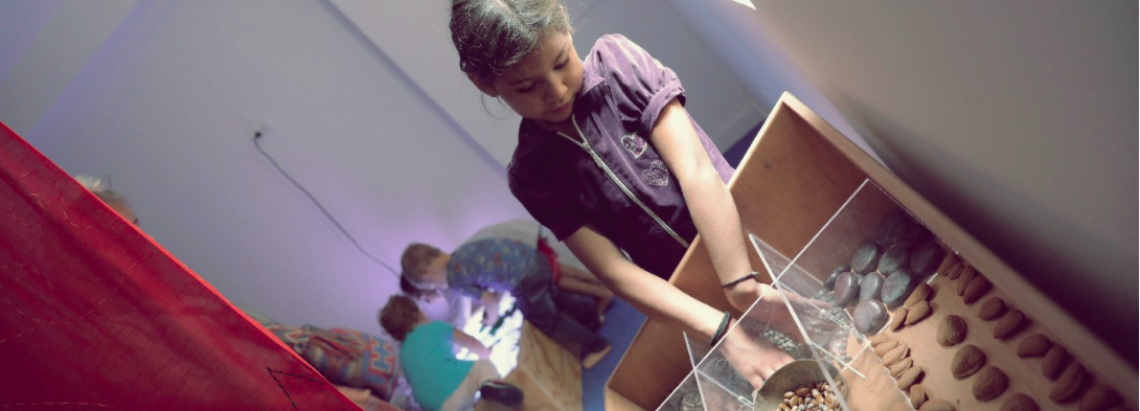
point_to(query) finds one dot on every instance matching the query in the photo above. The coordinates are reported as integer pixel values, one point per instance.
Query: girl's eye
(526, 89)
(562, 64)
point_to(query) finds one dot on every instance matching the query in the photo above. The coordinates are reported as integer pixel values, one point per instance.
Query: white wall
(1017, 119)
(167, 102)
(415, 35)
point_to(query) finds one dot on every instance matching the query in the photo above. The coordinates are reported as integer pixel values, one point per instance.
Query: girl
(609, 160)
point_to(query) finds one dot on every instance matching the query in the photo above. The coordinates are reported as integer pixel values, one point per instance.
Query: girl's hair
(492, 35)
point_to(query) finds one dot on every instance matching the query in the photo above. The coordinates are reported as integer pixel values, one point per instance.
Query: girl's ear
(488, 89)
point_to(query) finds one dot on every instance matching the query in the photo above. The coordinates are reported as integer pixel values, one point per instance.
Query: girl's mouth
(561, 108)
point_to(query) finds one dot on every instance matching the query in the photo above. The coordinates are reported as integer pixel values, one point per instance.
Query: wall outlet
(264, 128)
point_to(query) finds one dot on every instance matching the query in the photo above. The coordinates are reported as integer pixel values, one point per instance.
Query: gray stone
(926, 258)
(871, 286)
(894, 259)
(897, 287)
(829, 284)
(870, 316)
(846, 288)
(866, 258)
(888, 226)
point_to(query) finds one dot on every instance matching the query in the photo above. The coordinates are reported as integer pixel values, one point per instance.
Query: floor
(622, 323)
(553, 378)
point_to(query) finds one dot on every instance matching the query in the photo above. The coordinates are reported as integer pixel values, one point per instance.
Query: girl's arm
(462, 339)
(664, 302)
(490, 302)
(651, 295)
(710, 203)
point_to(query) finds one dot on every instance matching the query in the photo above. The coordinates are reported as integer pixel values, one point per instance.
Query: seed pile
(816, 397)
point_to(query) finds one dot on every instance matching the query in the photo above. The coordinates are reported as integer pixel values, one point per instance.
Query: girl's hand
(755, 360)
(771, 310)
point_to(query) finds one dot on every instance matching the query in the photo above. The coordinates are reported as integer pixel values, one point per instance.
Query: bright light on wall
(746, 3)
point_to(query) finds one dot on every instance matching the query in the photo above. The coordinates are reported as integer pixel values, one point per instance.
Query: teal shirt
(430, 364)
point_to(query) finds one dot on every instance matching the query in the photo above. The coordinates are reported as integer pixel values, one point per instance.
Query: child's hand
(490, 316)
(742, 295)
(755, 360)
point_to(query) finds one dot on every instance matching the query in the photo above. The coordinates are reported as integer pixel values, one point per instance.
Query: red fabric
(552, 258)
(96, 316)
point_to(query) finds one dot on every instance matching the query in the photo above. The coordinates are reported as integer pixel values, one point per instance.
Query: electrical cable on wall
(257, 142)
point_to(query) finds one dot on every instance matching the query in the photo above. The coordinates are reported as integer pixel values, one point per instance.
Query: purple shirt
(615, 180)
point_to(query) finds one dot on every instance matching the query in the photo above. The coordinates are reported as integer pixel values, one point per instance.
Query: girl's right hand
(755, 360)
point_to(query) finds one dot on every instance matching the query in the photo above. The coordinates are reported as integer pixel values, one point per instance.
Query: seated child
(441, 382)
(486, 269)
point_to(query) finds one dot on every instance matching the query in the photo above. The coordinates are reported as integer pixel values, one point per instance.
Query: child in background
(486, 269)
(610, 161)
(568, 275)
(439, 380)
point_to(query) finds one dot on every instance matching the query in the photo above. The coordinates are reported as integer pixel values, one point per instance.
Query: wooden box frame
(797, 173)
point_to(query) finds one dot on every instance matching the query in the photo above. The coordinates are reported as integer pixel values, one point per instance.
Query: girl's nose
(555, 90)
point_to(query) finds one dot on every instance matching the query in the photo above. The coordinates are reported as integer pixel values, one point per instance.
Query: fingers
(757, 380)
(767, 372)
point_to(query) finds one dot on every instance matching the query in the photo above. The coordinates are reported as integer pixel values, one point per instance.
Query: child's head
(425, 267)
(101, 187)
(400, 316)
(520, 51)
(410, 289)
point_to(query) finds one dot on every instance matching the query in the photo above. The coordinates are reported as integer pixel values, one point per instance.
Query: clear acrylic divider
(802, 324)
(686, 397)
(828, 330)
(698, 349)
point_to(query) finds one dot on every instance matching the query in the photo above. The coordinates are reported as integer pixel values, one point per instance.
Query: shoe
(592, 359)
(502, 393)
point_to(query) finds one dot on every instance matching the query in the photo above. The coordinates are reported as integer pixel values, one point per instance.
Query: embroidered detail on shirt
(634, 145)
(656, 174)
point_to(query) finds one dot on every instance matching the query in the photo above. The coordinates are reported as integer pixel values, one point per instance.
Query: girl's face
(544, 84)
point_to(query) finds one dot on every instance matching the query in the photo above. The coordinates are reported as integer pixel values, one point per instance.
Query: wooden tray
(797, 173)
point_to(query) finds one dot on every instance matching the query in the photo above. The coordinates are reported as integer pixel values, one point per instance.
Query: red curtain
(94, 315)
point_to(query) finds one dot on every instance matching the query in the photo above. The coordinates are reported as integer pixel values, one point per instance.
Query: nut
(896, 355)
(886, 347)
(1009, 324)
(1100, 398)
(910, 377)
(920, 293)
(1019, 402)
(1054, 362)
(879, 339)
(951, 331)
(816, 396)
(917, 396)
(991, 382)
(936, 405)
(992, 308)
(918, 312)
(969, 360)
(964, 280)
(897, 321)
(977, 287)
(900, 367)
(1034, 346)
(1069, 387)
(955, 270)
